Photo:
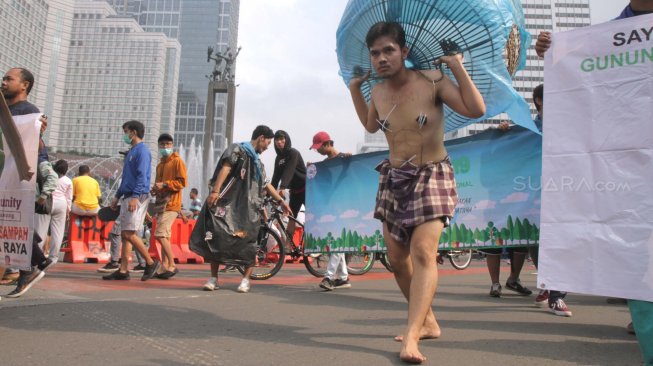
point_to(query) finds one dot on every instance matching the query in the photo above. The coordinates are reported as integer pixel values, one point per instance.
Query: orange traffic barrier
(179, 239)
(88, 240)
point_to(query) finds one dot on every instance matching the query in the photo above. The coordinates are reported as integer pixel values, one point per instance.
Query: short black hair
(61, 167)
(84, 169)
(194, 190)
(165, 137)
(262, 130)
(381, 29)
(26, 75)
(136, 126)
(538, 93)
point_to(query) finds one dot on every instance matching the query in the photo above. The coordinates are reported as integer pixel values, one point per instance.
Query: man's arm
(98, 192)
(50, 183)
(143, 161)
(464, 99)
(276, 175)
(213, 197)
(273, 192)
(543, 43)
(366, 114)
(69, 197)
(289, 170)
(178, 183)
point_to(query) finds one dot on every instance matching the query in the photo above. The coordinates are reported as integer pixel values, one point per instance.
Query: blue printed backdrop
(498, 177)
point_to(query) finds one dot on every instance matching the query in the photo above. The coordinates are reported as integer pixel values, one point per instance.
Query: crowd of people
(415, 201)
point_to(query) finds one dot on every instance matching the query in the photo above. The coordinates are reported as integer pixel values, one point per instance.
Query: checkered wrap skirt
(409, 196)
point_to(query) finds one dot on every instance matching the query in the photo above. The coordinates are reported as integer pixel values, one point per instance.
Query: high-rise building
(540, 15)
(36, 36)
(115, 72)
(197, 24)
(23, 25)
(51, 80)
(93, 71)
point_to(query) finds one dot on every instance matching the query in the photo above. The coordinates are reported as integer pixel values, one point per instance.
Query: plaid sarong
(409, 196)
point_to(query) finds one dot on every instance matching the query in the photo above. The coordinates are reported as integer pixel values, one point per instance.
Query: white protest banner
(18, 158)
(597, 170)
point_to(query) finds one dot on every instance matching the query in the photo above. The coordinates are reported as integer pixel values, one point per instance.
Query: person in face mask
(133, 197)
(170, 180)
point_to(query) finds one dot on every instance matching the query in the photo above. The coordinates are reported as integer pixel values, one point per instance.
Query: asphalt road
(72, 317)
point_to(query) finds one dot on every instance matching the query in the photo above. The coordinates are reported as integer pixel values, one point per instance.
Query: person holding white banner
(641, 311)
(554, 299)
(16, 86)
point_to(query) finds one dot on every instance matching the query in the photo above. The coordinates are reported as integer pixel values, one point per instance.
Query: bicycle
(459, 258)
(271, 252)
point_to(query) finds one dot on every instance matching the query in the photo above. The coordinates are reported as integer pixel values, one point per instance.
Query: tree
(535, 234)
(510, 227)
(526, 227)
(444, 238)
(469, 238)
(518, 231)
(490, 226)
(454, 234)
(350, 239)
(505, 234)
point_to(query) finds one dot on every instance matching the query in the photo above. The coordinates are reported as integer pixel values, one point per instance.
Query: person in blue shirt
(195, 203)
(133, 196)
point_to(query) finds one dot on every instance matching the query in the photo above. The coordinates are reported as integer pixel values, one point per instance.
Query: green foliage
(517, 232)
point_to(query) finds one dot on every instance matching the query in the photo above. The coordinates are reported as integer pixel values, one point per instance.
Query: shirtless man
(417, 191)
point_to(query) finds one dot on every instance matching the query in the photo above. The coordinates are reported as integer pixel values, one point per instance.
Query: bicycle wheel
(270, 255)
(359, 263)
(316, 263)
(460, 259)
(383, 257)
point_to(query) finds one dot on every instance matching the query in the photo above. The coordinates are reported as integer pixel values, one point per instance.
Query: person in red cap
(336, 275)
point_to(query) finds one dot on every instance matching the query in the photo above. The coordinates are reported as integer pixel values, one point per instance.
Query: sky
(288, 72)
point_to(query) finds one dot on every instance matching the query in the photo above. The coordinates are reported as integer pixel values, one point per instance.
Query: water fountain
(108, 171)
(198, 173)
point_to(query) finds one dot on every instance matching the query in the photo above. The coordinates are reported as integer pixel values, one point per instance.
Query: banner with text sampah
(597, 229)
(18, 158)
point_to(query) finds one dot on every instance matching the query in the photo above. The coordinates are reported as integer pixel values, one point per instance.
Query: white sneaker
(244, 286)
(211, 284)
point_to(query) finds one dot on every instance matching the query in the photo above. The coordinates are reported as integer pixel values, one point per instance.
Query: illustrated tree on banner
(491, 34)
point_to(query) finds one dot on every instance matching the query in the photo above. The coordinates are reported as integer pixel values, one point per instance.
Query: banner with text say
(597, 230)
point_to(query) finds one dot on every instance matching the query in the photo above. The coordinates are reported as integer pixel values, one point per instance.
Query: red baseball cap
(319, 139)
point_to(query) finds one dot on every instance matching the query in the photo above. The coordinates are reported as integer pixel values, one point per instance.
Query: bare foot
(410, 354)
(430, 331)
